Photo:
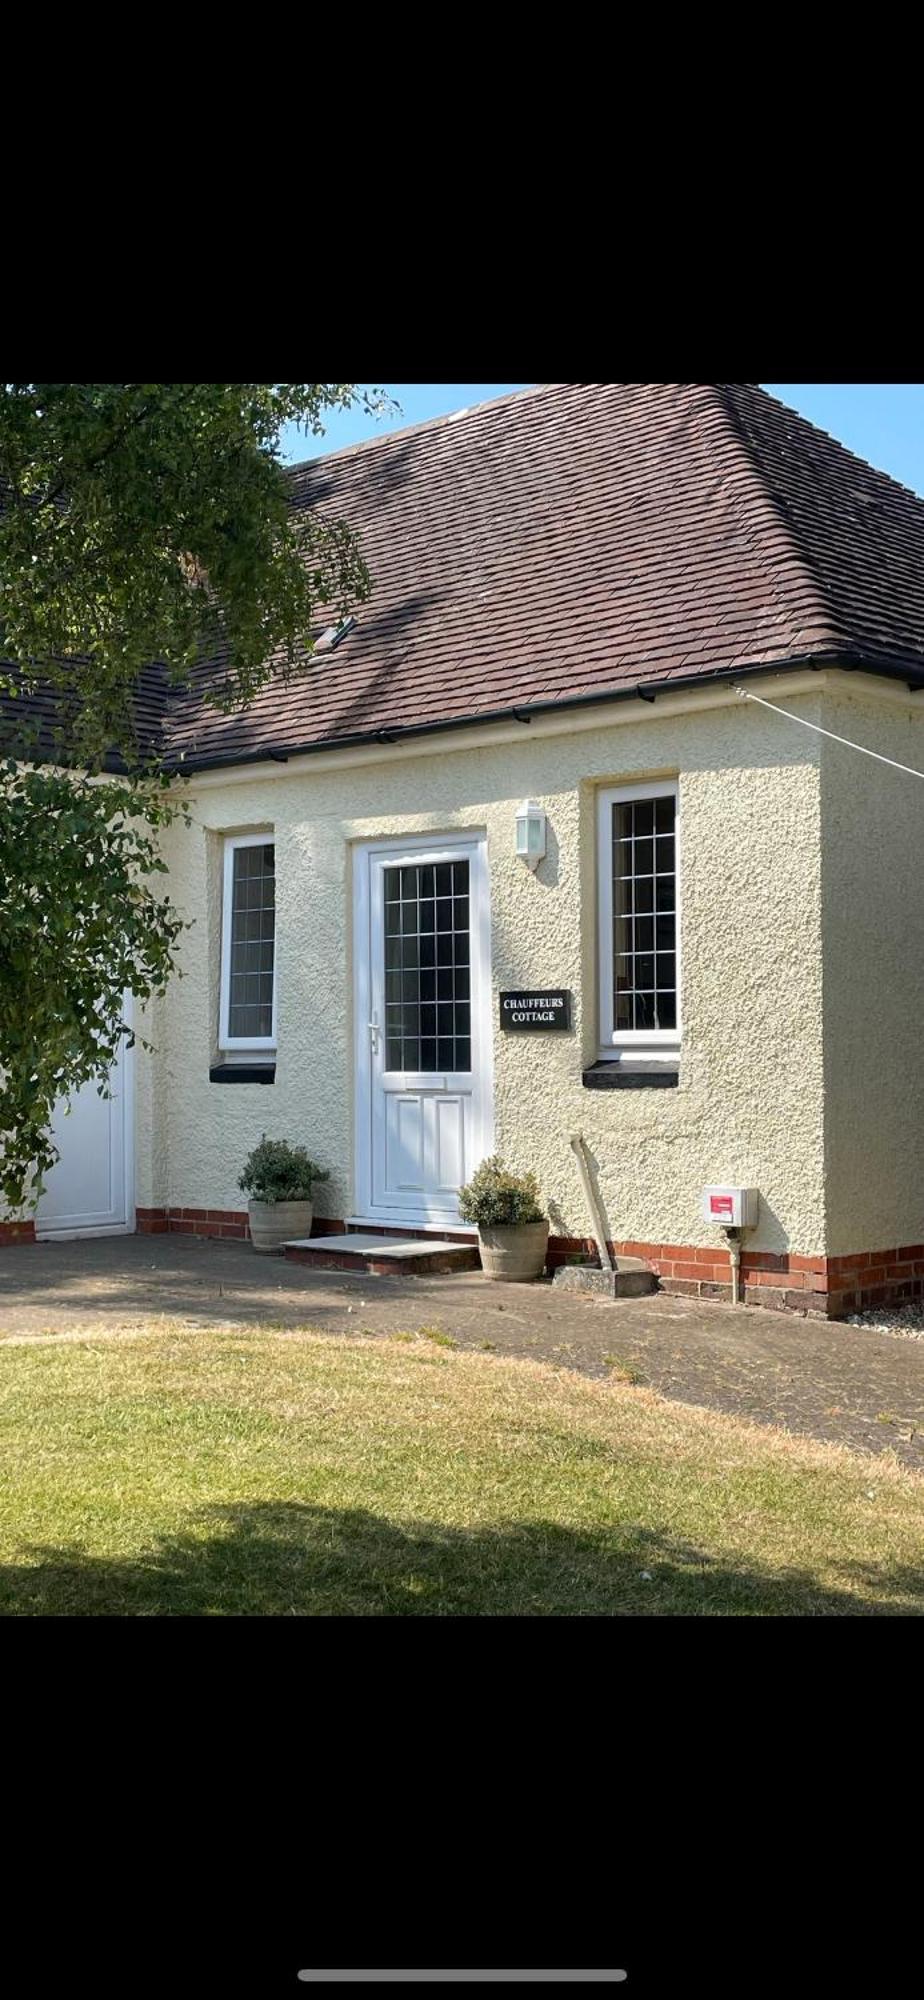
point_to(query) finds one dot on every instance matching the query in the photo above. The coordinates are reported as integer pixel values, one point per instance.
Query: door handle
(374, 1032)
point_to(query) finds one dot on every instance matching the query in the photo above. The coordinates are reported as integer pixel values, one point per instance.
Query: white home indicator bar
(554, 1977)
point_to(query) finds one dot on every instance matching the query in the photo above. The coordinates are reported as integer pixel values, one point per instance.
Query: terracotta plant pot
(273, 1223)
(515, 1254)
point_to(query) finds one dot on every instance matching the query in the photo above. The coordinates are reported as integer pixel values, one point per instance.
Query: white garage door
(89, 1192)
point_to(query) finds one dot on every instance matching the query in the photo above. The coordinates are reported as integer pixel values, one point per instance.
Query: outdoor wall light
(530, 833)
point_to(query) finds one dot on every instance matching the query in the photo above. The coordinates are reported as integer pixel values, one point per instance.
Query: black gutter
(525, 711)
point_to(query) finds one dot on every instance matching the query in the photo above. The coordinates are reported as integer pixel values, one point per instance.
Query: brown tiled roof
(581, 539)
(35, 723)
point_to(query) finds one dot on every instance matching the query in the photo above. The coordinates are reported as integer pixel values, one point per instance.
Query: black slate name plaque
(544, 1010)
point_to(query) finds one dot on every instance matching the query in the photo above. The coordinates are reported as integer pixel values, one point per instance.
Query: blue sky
(882, 421)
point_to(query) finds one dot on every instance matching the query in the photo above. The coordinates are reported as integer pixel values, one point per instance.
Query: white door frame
(52, 1233)
(419, 847)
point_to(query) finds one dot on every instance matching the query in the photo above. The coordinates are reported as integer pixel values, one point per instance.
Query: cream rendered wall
(749, 1106)
(151, 1107)
(873, 932)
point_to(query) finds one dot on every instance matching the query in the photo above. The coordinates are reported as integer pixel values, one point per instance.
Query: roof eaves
(908, 668)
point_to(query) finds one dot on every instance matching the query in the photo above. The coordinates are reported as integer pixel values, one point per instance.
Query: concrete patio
(846, 1384)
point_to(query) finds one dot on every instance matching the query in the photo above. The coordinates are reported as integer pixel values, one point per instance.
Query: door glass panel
(427, 1015)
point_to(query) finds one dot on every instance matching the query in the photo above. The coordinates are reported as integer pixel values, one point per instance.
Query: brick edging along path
(825, 1287)
(230, 1223)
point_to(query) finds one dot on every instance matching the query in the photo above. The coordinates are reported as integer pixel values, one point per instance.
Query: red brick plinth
(825, 1287)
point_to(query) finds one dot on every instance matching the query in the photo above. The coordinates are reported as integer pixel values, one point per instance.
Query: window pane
(253, 942)
(644, 918)
(665, 854)
(665, 810)
(622, 823)
(664, 932)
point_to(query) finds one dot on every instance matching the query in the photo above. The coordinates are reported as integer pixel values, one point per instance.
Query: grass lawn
(178, 1469)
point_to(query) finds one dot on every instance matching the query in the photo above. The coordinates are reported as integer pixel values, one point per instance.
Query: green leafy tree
(80, 923)
(140, 523)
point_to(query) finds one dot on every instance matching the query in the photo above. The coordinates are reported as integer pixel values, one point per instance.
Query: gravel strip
(906, 1321)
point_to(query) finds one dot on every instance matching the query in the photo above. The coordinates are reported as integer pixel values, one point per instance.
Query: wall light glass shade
(530, 833)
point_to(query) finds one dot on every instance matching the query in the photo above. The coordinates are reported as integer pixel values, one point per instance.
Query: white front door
(424, 1057)
(88, 1192)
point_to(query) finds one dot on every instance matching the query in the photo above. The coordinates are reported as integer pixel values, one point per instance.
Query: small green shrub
(276, 1171)
(496, 1198)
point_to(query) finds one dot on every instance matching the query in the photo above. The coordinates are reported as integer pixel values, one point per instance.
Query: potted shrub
(512, 1231)
(279, 1179)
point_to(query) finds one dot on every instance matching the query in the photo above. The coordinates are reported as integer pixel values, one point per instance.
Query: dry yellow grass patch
(177, 1468)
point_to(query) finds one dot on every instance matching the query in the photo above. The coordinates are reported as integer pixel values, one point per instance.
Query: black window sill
(243, 1073)
(632, 1076)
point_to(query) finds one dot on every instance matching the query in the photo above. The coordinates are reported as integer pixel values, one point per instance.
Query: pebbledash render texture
(754, 1100)
(574, 589)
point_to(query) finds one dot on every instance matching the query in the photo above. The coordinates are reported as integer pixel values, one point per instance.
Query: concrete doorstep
(383, 1256)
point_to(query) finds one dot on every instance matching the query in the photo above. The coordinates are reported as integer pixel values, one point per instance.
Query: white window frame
(228, 1042)
(615, 1042)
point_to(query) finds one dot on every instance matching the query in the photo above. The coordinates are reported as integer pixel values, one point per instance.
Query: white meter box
(731, 1207)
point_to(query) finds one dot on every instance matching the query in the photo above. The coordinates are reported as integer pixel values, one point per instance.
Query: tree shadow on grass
(290, 1559)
